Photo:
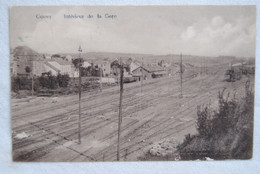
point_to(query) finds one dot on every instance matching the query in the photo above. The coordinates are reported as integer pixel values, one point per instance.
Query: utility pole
(206, 66)
(32, 77)
(120, 108)
(201, 66)
(142, 69)
(79, 121)
(172, 72)
(181, 73)
(100, 79)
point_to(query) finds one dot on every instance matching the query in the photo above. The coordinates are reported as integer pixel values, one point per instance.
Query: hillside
(146, 58)
(150, 58)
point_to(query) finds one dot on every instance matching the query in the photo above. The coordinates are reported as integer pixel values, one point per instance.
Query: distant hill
(154, 59)
(146, 58)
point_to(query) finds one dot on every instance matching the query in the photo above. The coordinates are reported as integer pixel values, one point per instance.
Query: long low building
(55, 66)
(148, 72)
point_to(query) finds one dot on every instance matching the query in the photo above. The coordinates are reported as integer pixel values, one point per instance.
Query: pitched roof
(151, 68)
(24, 51)
(61, 61)
(53, 67)
(101, 62)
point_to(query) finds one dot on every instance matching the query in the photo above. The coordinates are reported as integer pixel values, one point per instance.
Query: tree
(55, 56)
(48, 81)
(77, 61)
(27, 69)
(63, 80)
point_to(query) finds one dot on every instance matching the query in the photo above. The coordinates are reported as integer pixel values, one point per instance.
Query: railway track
(62, 128)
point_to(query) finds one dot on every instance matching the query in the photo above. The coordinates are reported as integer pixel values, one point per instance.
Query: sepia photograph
(132, 83)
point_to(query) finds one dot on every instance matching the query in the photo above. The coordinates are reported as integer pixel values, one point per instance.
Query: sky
(160, 30)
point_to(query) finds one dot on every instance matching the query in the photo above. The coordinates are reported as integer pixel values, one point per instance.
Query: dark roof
(61, 61)
(24, 51)
(101, 62)
(151, 69)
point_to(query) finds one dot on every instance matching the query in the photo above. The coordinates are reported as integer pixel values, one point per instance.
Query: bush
(227, 113)
(21, 83)
(226, 133)
(48, 81)
(63, 80)
(204, 121)
(45, 81)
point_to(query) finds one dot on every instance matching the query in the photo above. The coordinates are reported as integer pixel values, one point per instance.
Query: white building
(55, 66)
(86, 64)
(63, 66)
(68, 58)
(133, 66)
(48, 67)
(105, 66)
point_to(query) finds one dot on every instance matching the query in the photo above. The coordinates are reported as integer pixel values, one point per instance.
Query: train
(129, 79)
(236, 71)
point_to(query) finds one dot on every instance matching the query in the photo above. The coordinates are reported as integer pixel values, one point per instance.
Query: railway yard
(46, 128)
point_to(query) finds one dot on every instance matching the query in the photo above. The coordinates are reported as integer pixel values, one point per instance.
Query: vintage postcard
(132, 83)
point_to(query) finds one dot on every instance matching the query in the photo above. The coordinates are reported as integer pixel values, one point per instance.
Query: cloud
(220, 38)
(189, 33)
(217, 21)
(212, 36)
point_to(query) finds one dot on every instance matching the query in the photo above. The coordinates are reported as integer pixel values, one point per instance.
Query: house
(47, 56)
(63, 66)
(55, 66)
(68, 58)
(163, 63)
(86, 64)
(132, 65)
(105, 66)
(51, 68)
(148, 72)
(42, 66)
(13, 66)
(115, 68)
(75, 73)
(24, 61)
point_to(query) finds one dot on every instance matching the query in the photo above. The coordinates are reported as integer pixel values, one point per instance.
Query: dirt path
(156, 113)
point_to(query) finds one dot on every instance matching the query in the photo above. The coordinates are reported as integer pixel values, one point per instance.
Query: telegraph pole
(100, 80)
(32, 77)
(206, 66)
(142, 69)
(120, 108)
(181, 73)
(79, 121)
